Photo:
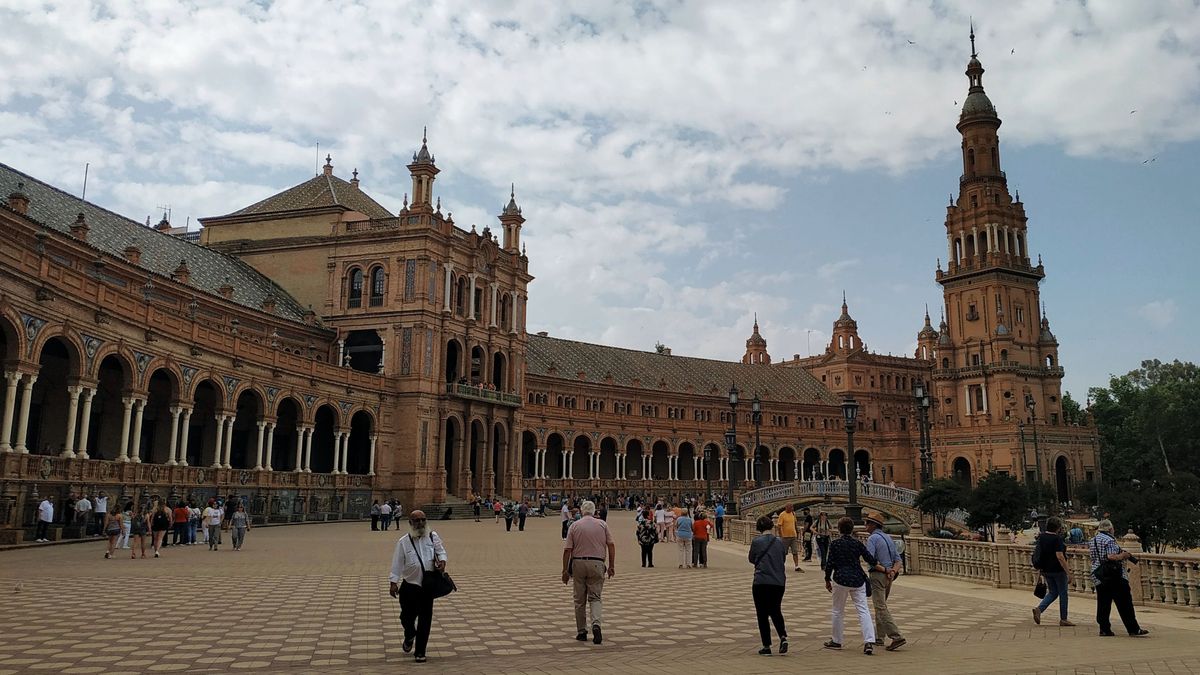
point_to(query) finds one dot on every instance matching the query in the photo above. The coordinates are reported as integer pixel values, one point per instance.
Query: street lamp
(1031, 405)
(731, 445)
(756, 418)
(708, 453)
(849, 415)
(922, 400)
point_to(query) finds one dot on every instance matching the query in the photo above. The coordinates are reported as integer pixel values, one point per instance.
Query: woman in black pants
(647, 537)
(768, 553)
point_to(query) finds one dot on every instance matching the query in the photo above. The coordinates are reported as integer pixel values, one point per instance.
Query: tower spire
(973, 52)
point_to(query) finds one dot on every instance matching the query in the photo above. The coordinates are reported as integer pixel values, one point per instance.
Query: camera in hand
(1133, 560)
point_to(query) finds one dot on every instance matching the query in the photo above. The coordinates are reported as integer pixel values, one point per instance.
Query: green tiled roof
(674, 374)
(161, 253)
(319, 192)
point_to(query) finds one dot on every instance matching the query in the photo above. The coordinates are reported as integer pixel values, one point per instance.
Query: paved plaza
(314, 598)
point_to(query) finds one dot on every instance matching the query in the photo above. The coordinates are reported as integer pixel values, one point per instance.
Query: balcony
(478, 393)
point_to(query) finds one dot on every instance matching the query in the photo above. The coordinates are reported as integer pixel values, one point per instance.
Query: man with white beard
(418, 551)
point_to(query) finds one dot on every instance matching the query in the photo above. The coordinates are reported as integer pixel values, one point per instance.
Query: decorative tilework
(33, 326)
(91, 345)
(142, 360)
(424, 441)
(272, 392)
(433, 275)
(410, 279)
(406, 337)
(231, 384)
(428, 352)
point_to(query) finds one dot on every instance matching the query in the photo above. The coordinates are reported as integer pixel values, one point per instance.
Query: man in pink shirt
(588, 539)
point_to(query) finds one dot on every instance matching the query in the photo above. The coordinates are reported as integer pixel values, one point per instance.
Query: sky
(682, 166)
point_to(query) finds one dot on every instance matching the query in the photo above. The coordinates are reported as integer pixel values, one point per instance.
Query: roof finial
(425, 129)
(973, 54)
(512, 193)
(756, 322)
(1018, 195)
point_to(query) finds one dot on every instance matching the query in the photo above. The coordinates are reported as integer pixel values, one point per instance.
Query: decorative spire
(512, 209)
(439, 205)
(354, 177)
(328, 165)
(423, 156)
(973, 53)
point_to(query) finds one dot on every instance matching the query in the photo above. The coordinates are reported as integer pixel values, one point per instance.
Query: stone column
(308, 436)
(796, 471)
(298, 465)
(135, 449)
(270, 446)
(72, 409)
(229, 443)
(127, 402)
(23, 416)
(344, 445)
(570, 464)
(749, 467)
(446, 290)
(492, 308)
(174, 436)
(11, 380)
(85, 422)
(258, 453)
(471, 299)
(183, 438)
(371, 463)
(219, 442)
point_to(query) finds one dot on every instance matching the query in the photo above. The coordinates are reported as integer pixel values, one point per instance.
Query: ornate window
(378, 282)
(355, 288)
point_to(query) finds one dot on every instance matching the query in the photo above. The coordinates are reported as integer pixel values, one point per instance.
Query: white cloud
(1159, 313)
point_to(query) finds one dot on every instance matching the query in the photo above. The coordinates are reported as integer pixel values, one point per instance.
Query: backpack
(1036, 558)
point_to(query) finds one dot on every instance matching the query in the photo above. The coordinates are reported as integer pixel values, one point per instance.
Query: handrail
(900, 496)
(481, 394)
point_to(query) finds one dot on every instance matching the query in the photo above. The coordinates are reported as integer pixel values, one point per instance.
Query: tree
(1163, 511)
(1149, 422)
(939, 498)
(1071, 410)
(997, 498)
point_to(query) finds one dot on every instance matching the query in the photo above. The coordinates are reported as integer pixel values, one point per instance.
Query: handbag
(436, 582)
(1039, 590)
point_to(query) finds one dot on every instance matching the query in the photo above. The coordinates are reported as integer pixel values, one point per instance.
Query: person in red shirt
(180, 517)
(700, 531)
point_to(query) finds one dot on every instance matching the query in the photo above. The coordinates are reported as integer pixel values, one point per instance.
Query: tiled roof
(568, 358)
(321, 191)
(160, 253)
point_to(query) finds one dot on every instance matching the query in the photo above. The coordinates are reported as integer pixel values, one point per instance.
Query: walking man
(44, 518)
(807, 535)
(522, 514)
(787, 532)
(1112, 581)
(719, 514)
(881, 576)
(83, 513)
(417, 552)
(566, 517)
(385, 515)
(588, 539)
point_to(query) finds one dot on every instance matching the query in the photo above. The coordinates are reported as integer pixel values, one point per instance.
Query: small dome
(978, 103)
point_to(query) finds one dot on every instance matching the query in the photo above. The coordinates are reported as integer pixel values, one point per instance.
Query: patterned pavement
(314, 597)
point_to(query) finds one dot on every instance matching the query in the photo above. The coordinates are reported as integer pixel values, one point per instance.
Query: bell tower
(756, 348)
(991, 354)
(423, 171)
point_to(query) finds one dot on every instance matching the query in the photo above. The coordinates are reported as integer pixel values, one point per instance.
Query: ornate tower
(423, 173)
(511, 220)
(992, 357)
(756, 348)
(845, 333)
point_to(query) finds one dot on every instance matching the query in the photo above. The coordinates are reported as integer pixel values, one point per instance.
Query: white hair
(587, 508)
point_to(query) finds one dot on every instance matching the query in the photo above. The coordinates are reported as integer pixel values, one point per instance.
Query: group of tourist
(686, 526)
(382, 515)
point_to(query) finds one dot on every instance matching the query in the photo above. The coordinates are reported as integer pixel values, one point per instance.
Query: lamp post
(922, 400)
(1031, 405)
(849, 415)
(708, 453)
(731, 445)
(756, 418)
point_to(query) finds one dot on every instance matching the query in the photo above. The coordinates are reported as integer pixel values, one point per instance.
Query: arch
(358, 445)
(58, 363)
(67, 348)
(364, 351)
(970, 245)
(1062, 478)
(500, 371)
(162, 394)
(460, 296)
(504, 312)
(378, 285)
(710, 455)
(354, 287)
(243, 447)
(971, 160)
(837, 464)
(478, 367)
(206, 399)
(811, 466)
(634, 451)
(452, 358)
(787, 464)
(476, 447)
(326, 423)
(529, 456)
(555, 444)
(862, 463)
(659, 460)
(608, 458)
(960, 469)
(685, 465)
(10, 339)
(1049, 360)
(581, 446)
(288, 415)
(737, 465)
(1003, 355)
(451, 440)
(499, 458)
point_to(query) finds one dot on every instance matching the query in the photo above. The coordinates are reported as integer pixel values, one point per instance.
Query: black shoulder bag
(435, 581)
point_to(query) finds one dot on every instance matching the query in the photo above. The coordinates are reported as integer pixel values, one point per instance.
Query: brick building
(314, 351)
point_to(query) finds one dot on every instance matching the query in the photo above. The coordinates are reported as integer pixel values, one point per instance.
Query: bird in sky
(1132, 111)
(911, 42)
(1014, 51)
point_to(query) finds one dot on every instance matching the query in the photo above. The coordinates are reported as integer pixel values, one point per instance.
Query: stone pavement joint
(298, 599)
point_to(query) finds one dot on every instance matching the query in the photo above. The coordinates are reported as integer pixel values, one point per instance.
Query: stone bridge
(895, 503)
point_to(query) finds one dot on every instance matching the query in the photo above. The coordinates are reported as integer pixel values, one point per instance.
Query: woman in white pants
(126, 523)
(844, 578)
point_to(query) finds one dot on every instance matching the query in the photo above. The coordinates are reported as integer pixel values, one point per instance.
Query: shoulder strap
(413, 544)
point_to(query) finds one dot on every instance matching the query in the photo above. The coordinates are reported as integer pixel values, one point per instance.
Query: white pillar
(174, 444)
(270, 446)
(539, 463)
(592, 457)
(446, 290)
(492, 308)
(345, 450)
(796, 475)
(72, 409)
(229, 443)
(564, 465)
(135, 441)
(85, 423)
(23, 417)
(571, 464)
(298, 465)
(308, 436)
(371, 462)
(11, 380)
(471, 299)
(183, 436)
(258, 454)
(219, 442)
(127, 402)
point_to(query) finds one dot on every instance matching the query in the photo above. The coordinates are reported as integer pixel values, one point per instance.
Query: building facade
(314, 351)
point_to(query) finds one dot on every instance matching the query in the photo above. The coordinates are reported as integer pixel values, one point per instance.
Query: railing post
(1003, 577)
(1130, 542)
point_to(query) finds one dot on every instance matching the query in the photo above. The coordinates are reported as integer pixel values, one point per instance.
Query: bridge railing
(837, 488)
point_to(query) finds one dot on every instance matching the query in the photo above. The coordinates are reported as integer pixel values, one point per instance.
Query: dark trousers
(521, 523)
(823, 549)
(416, 614)
(508, 524)
(647, 555)
(42, 527)
(374, 523)
(179, 535)
(699, 552)
(386, 521)
(721, 527)
(808, 549)
(98, 522)
(1117, 592)
(767, 602)
(566, 524)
